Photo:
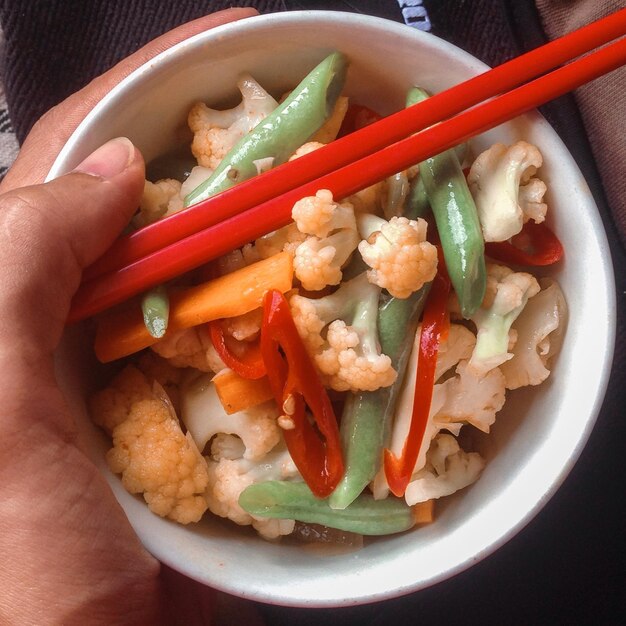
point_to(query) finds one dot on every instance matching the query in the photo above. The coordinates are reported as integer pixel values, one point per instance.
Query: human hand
(69, 553)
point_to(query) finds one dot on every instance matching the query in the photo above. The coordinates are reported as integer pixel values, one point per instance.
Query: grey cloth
(602, 103)
(8, 141)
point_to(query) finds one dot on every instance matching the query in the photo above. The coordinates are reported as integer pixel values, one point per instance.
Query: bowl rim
(70, 155)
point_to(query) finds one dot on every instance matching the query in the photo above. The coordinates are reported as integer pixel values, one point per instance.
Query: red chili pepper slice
(357, 116)
(535, 245)
(248, 365)
(435, 325)
(314, 447)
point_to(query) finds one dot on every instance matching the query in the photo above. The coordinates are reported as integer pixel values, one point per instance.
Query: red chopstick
(358, 144)
(172, 260)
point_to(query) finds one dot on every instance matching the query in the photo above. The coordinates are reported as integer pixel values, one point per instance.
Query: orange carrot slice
(121, 333)
(424, 512)
(237, 393)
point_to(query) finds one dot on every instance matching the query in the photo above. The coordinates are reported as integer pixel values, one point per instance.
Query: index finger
(50, 133)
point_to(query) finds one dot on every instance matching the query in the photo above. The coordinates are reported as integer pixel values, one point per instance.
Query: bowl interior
(538, 435)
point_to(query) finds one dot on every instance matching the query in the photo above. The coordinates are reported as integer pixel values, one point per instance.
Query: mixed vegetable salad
(320, 376)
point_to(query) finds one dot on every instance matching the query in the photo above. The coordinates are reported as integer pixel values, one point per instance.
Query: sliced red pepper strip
(357, 116)
(314, 447)
(535, 245)
(248, 365)
(435, 325)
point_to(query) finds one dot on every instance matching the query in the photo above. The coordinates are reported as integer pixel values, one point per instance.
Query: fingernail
(110, 159)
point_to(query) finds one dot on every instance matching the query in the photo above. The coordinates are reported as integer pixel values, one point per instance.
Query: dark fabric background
(569, 565)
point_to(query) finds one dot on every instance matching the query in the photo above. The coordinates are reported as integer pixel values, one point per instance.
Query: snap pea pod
(366, 418)
(457, 223)
(155, 306)
(290, 125)
(289, 500)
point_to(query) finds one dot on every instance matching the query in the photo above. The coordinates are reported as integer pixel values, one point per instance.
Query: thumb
(51, 232)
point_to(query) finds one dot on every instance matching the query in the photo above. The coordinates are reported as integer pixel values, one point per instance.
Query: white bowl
(535, 440)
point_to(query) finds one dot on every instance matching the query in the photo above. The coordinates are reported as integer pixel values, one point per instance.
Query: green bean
(417, 204)
(415, 95)
(366, 418)
(291, 500)
(397, 191)
(457, 223)
(461, 151)
(155, 306)
(290, 125)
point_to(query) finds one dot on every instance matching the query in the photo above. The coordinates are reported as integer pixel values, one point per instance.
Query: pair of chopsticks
(213, 227)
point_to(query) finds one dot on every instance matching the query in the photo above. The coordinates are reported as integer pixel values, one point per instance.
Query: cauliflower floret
(471, 399)
(149, 450)
(158, 200)
(319, 260)
(190, 347)
(310, 321)
(307, 148)
(448, 469)
(111, 406)
(352, 362)
(204, 416)
(398, 253)
(229, 475)
(348, 356)
(244, 327)
(458, 398)
(225, 446)
(320, 215)
(159, 369)
(506, 296)
(457, 346)
(530, 198)
(285, 239)
(196, 177)
(216, 132)
(539, 328)
(230, 262)
(506, 194)
(167, 375)
(368, 200)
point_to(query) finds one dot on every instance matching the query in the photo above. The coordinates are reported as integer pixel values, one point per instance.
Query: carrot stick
(123, 332)
(424, 512)
(237, 393)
